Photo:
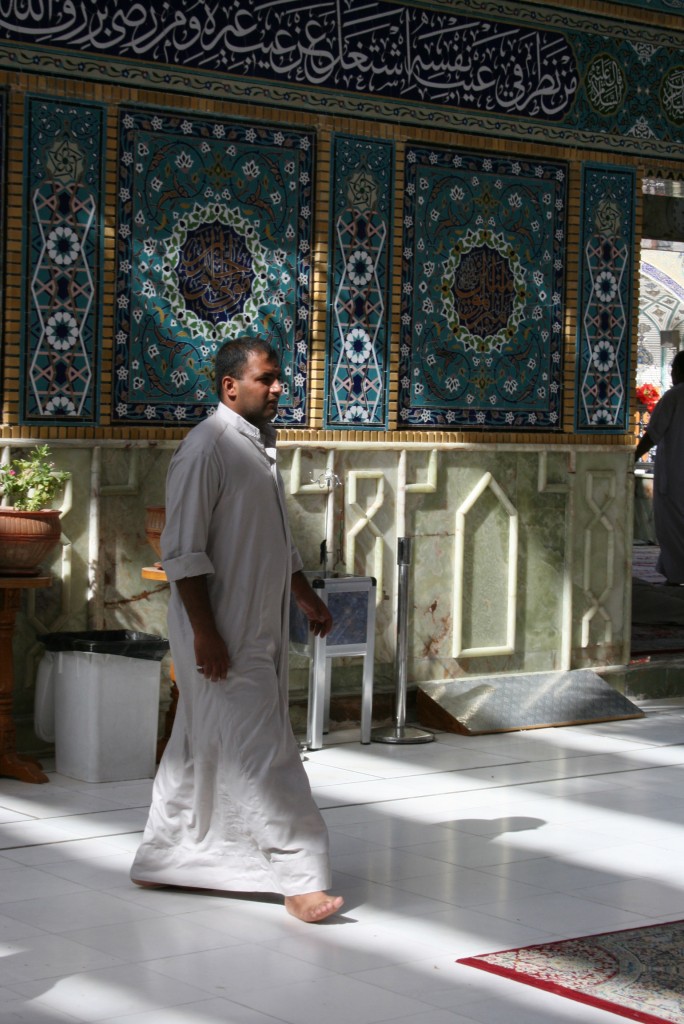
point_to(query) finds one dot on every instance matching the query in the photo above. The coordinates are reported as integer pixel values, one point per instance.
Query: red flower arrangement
(648, 395)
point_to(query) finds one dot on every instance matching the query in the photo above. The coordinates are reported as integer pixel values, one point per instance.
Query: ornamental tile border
(63, 261)
(605, 298)
(362, 186)
(213, 241)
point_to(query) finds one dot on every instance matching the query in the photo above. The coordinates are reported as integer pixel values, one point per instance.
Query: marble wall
(520, 555)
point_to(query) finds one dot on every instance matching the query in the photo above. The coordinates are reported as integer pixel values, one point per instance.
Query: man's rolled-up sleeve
(192, 486)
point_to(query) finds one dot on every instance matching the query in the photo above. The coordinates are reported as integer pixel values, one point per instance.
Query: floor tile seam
(60, 936)
(531, 761)
(95, 972)
(490, 788)
(142, 958)
(69, 839)
(21, 1000)
(80, 814)
(240, 1000)
(491, 869)
(506, 762)
(641, 921)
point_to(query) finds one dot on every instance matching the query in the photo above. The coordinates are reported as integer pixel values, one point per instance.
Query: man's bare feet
(313, 907)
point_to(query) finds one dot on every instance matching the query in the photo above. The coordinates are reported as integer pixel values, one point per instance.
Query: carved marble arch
(598, 562)
(486, 510)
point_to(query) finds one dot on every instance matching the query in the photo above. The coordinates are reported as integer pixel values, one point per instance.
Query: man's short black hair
(233, 356)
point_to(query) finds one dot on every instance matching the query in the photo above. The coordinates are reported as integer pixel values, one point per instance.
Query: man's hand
(645, 444)
(316, 610)
(211, 653)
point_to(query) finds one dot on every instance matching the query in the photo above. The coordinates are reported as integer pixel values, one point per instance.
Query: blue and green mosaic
(482, 291)
(361, 207)
(605, 297)
(62, 261)
(213, 242)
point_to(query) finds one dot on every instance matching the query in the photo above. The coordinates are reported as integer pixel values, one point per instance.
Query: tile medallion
(213, 242)
(482, 291)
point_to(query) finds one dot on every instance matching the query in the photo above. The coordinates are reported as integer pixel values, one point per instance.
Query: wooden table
(15, 765)
(155, 572)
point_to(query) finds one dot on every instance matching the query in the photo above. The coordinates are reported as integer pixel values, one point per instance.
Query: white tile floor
(444, 850)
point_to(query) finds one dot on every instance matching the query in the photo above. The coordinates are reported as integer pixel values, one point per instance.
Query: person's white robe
(666, 428)
(232, 808)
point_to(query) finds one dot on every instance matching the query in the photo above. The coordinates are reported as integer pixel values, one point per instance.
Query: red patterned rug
(636, 973)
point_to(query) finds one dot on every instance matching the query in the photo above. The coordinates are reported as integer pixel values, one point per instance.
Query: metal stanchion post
(400, 732)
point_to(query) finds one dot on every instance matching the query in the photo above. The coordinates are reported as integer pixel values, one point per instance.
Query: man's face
(256, 394)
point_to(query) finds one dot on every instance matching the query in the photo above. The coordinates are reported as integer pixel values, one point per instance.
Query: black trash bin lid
(124, 642)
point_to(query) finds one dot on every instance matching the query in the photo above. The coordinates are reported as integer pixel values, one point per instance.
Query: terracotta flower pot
(155, 517)
(26, 540)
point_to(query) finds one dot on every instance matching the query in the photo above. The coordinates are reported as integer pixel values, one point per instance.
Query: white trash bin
(105, 687)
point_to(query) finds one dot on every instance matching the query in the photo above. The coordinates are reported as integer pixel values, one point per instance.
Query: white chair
(351, 600)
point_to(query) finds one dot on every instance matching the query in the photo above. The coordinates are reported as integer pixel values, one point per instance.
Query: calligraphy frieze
(533, 72)
(605, 297)
(361, 214)
(62, 259)
(213, 242)
(388, 49)
(482, 290)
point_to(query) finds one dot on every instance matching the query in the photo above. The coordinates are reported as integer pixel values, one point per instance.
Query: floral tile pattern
(62, 261)
(213, 242)
(362, 183)
(482, 291)
(605, 297)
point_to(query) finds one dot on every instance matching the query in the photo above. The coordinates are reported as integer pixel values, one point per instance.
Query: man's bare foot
(313, 907)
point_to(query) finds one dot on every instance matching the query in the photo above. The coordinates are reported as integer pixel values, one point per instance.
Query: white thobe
(232, 808)
(666, 428)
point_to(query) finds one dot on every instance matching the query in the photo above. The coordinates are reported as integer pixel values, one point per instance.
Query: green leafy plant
(32, 482)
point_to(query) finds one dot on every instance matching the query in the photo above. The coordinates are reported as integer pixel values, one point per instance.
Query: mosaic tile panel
(62, 261)
(361, 210)
(632, 87)
(605, 297)
(213, 242)
(482, 291)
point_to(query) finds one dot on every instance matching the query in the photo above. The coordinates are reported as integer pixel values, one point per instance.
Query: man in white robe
(666, 429)
(232, 808)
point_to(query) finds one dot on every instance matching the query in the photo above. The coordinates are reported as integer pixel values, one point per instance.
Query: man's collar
(267, 436)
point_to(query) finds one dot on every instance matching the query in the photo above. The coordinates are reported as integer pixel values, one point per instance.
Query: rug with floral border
(637, 973)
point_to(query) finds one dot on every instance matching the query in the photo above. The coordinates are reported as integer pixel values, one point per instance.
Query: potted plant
(29, 529)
